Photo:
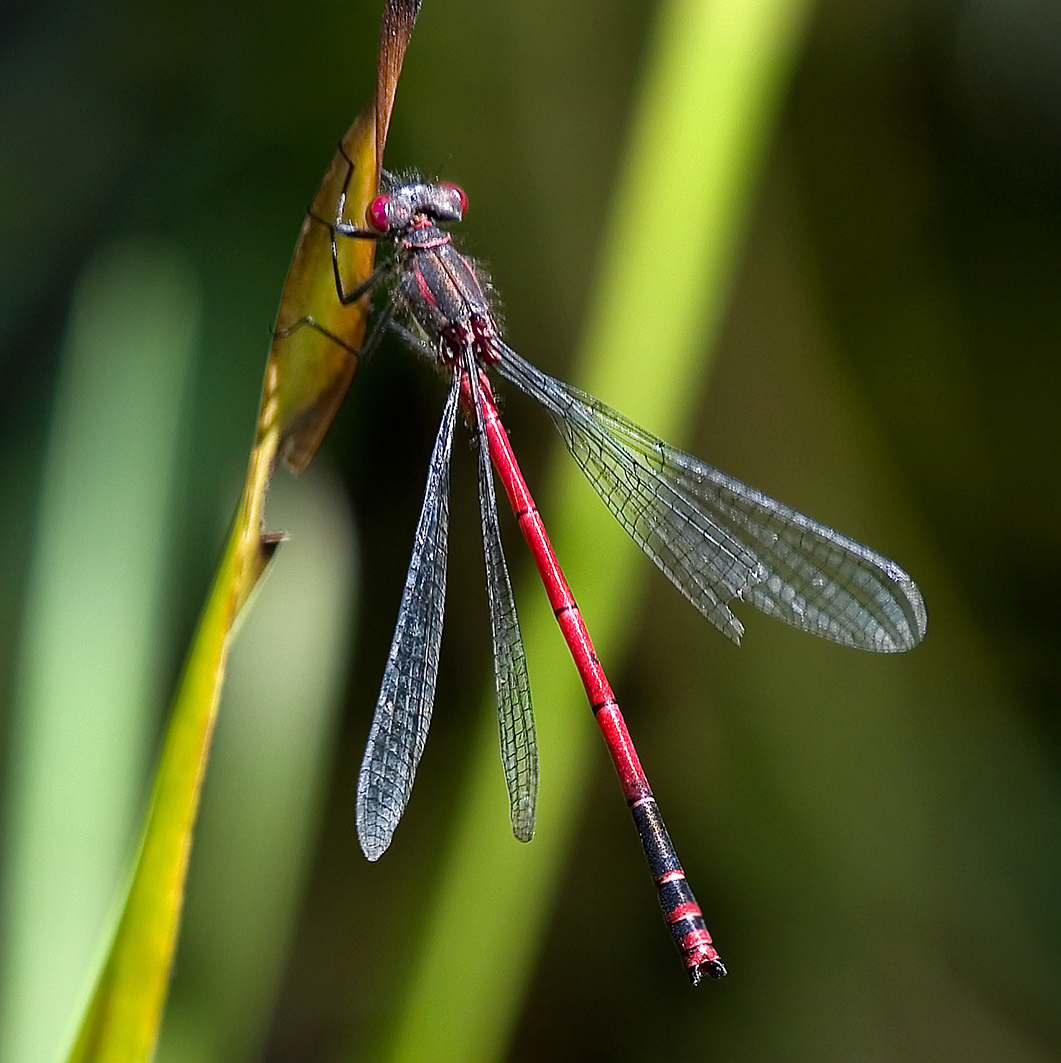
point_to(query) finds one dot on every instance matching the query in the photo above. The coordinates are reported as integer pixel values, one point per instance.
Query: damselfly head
(396, 211)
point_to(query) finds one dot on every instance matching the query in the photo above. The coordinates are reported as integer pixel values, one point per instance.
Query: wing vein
(406, 698)
(718, 539)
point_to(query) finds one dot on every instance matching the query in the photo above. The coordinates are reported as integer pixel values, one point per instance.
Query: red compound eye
(377, 214)
(459, 193)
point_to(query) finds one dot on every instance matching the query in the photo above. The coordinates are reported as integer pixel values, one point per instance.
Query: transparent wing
(403, 712)
(519, 746)
(717, 539)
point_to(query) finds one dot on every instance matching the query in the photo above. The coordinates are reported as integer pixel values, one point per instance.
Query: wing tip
(912, 602)
(373, 834)
(373, 844)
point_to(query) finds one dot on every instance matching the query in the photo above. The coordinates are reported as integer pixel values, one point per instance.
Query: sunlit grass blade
(92, 654)
(317, 336)
(123, 1018)
(707, 108)
(310, 365)
(263, 796)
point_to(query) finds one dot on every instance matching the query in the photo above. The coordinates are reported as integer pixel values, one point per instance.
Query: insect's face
(411, 206)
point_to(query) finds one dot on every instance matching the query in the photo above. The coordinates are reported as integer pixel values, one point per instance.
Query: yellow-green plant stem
(121, 1024)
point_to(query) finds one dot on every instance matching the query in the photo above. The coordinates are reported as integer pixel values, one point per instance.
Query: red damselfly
(714, 537)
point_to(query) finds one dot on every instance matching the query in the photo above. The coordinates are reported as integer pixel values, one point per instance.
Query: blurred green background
(875, 842)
